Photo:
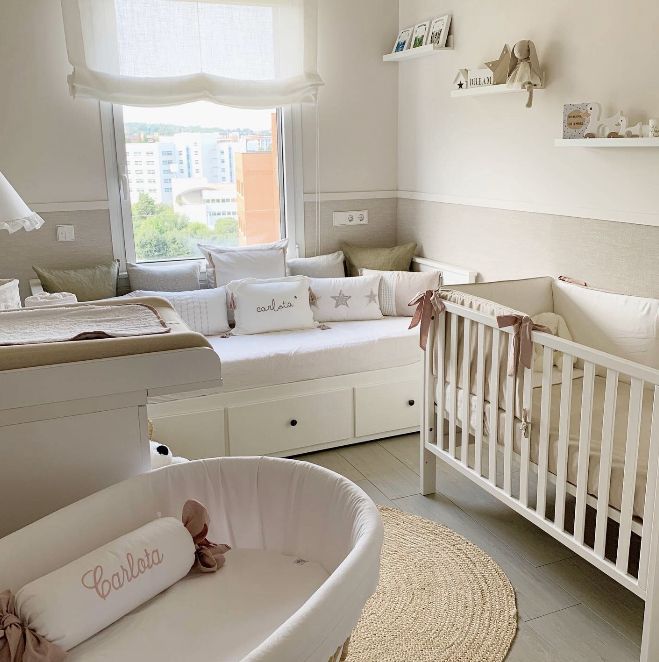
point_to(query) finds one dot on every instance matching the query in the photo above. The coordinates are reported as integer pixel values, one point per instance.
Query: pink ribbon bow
(522, 344)
(426, 303)
(20, 644)
(209, 556)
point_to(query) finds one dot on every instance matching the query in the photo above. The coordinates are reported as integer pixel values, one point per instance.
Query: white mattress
(220, 616)
(291, 356)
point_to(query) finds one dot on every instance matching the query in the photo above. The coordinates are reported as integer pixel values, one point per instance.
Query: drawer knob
(410, 403)
(294, 422)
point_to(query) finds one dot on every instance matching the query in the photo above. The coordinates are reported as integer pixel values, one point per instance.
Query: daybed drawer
(284, 425)
(387, 407)
(195, 435)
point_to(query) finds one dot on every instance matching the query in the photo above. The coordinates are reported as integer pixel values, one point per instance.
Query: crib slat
(440, 379)
(584, 449)
(480, 395)
(563, 439)
(509, 416)
(493, 437)
(525, 441)
(545, 409)
(453, 379)
(466, 390)
(606, 452)
(629, 479)
(650, 492)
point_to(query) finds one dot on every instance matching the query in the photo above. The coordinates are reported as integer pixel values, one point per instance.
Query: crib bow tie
(20, 644)
(209, 556)
(522, 352)
(426, 303)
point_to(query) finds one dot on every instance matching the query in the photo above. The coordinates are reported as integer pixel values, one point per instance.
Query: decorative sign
(579, 119)
(480, 77)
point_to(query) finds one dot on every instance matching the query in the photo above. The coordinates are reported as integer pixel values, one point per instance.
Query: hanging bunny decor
(527, 73)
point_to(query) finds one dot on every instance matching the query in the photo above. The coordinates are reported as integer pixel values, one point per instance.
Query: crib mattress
(220, 617)
(619, 436)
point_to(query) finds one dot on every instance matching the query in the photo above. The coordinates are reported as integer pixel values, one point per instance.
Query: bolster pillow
(71, 604)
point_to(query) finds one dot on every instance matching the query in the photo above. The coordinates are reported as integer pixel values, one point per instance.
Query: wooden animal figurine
(653, 129)
(612, 127)
(635, 131)
(595, 111)
(527, 73)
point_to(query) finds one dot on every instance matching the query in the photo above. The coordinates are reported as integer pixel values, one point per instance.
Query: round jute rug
(440, 599)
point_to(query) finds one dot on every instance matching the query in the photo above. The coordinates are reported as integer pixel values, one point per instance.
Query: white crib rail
(479, 419)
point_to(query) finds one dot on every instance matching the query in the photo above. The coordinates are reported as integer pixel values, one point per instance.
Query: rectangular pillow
(321, 266)
(398, 288)
(87, 283)
(72, 604)
(346, 299)
(396, 258)
(204, 311)
(226, 263)
(181, 277)
(9, 295)
(279, 304)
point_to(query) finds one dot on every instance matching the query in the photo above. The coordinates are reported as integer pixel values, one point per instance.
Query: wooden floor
(568, 610)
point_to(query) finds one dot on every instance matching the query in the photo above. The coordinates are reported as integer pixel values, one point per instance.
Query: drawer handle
(410, 403)
(294, 422)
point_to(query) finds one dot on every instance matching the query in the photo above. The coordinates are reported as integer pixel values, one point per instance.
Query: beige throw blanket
(88, 322)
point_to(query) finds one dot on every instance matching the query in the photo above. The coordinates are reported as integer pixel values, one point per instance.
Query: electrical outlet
(66, 233)
(350, 217)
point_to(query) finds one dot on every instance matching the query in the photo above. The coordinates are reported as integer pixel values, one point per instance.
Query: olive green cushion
(87, 283)
(396, 258)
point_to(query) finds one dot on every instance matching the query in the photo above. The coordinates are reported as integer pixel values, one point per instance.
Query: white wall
(493, 151)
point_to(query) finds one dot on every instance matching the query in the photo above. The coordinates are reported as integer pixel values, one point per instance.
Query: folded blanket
(50, 299)
(83, 322)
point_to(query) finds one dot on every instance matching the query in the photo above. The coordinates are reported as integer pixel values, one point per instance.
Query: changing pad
(221, 616)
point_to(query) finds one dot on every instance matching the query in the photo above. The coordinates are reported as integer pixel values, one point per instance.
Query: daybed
(292, 392)
(582, 413)
(304, 560)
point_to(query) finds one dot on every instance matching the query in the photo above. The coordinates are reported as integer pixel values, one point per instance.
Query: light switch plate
(66, 233)
(350, 217)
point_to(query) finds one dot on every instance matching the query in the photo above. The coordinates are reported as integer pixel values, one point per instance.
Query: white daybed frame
(328, 412)
(444, 327)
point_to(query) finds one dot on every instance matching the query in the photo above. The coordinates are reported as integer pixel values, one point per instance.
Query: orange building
(257, 193)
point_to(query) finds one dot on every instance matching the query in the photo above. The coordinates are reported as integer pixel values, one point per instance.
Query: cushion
(264, 305)
(397, 258)
(321, 266)
(240, 262)
(556, 324)
(87, 283)
(398, 288)
(346, 299)
(75, 602)
(204, 311)
(180, 277)
(9, 296)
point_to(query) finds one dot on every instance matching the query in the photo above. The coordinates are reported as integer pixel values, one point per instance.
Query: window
(168, 220)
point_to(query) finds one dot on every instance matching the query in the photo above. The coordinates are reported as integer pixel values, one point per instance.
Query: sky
(202, 113)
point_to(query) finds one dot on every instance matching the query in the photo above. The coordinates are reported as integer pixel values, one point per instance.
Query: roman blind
(241, 53)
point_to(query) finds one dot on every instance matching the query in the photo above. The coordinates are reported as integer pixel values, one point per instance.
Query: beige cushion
(182, 277)
(396, 258)
(556, 324)
(320, 266)
(87, 283)
(398, 288)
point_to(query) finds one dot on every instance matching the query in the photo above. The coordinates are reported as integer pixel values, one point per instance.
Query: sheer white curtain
(242, 53)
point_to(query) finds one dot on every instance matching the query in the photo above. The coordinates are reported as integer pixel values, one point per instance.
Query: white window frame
(121, 224)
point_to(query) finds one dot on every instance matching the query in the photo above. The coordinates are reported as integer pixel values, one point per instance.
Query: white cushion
(9, 295)
(344, 299)
(164, 278)
(240, 262)
(75, 602)
(556, 324)
(278, 304)
(204, 311)
(321, 266)
(398, 288)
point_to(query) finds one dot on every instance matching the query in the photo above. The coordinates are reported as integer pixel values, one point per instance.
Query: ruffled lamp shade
(14, 213)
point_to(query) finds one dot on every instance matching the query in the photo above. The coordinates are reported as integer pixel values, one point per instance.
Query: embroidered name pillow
(398, 288)
(277, 304)
(70, 605)
(345, 299)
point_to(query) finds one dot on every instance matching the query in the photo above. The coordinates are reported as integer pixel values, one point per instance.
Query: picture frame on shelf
(420, 34)
(439, 29)
(403, 40)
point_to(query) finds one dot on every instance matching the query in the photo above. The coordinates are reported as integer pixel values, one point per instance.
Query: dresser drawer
(387, 407)
(195, 435)
(290, 423)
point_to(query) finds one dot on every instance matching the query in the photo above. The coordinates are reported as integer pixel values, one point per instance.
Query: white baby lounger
(304, 560)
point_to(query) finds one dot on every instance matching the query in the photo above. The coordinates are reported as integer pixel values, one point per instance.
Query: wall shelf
(421, 51)
(606, 142)
(490, 89)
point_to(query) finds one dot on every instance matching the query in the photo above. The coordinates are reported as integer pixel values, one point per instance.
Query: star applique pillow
(345, 299)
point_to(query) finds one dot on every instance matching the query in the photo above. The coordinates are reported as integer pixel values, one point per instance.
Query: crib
(565, 432)
(305, 558)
